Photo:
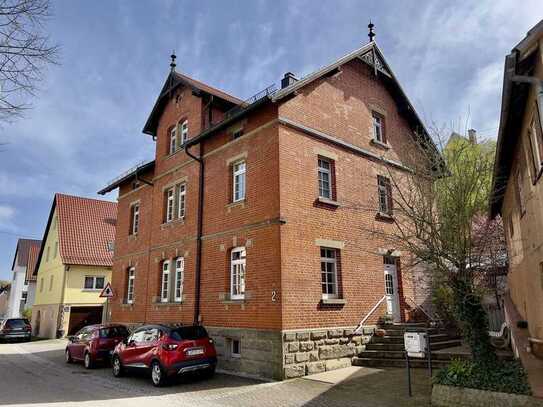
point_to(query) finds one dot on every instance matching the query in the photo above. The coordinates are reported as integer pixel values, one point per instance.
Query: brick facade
(281, 222)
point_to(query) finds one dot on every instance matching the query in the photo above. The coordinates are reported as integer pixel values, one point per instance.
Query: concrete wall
(45, 320)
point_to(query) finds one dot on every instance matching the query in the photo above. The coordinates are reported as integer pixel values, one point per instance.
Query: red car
(94, 343)
(166, 352)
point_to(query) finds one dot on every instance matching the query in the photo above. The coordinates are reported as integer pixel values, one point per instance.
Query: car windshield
(188, 332)
(114, 332)
(16, 323)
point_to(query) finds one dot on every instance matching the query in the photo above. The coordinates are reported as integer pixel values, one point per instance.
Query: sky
(85, 127)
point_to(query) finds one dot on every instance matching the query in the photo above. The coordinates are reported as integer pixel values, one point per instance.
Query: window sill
(240, 203)
(234, 301)
(380, 144)
(327, 201)
(169, 303)
(132, 237)
(172, 223)
(125, 304)
(384, 216)
(333, 301)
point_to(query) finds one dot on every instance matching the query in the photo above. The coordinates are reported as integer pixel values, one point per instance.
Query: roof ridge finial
(172, 64)
(371, 34)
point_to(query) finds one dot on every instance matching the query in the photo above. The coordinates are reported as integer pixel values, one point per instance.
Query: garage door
(83, 316)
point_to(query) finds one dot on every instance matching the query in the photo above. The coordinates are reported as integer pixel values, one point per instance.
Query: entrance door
(391, 289)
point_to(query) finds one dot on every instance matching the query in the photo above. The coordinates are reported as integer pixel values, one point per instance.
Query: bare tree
(440, 207)
(25, 50)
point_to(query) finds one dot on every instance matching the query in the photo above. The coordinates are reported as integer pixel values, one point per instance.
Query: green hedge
(502, 376)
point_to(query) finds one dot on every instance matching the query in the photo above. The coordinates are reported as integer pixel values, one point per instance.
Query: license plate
(18, 334)
(194, 352)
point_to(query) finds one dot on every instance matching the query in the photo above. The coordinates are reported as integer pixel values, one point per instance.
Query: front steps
(388, 350)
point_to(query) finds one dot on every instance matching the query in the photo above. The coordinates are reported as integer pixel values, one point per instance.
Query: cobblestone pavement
(35, 374)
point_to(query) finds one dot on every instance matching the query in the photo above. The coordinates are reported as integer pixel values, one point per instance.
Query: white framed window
(325, 178)
(384, 190)
(135, 218)
(238, 177)
(181, 194)
(237, 273)
(235, 348)
(165, 286)
(94, 282)
(378, 127)
(170, 204)
(179, 277)
(329, 273)
(173, 140)
(184, 132)
(130, 285)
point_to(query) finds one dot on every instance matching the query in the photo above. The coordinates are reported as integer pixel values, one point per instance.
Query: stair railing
(361, 324)
(413, 302)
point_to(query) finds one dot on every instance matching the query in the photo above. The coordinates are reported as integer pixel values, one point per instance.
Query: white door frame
(391, 288)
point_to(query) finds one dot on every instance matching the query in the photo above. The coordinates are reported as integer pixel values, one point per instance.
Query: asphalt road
(35, 374)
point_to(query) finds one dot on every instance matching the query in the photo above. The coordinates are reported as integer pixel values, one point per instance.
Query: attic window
(110, 246)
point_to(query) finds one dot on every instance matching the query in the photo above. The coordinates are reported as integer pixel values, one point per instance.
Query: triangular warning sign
(107, 292)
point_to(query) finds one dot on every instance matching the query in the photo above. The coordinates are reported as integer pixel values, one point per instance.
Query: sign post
(106, 293)
(416, 345)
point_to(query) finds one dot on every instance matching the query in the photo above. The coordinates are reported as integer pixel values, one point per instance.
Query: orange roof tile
(86, 229)
(33, 253)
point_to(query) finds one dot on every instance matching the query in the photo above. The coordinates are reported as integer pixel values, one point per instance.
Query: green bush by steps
(501, 376)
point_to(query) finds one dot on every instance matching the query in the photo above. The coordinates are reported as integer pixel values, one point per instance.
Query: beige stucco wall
(524, 233)
(75, 282)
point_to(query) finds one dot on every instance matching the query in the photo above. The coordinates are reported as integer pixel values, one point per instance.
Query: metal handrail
(421, 308)
(369, 314)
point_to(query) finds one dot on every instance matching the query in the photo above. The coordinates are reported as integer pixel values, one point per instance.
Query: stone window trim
(384, 197)
(326, 180)
(380, 144)
(379, 128)
(130, 285)
(239, 157)
(330, 262)
(325, 153)
(333, 244)
(237, 130)
(135, 217)
(239, 181)
(175, 131)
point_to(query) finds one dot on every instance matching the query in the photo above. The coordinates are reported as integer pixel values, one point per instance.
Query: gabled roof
(371, 55)
(173, 81)
(33, 254)
(86, 229)
(521, 61)
(21, 252)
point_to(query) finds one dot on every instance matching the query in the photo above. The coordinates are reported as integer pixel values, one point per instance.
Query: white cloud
(7, 215)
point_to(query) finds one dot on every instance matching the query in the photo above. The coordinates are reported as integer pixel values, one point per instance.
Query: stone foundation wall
(450, 396)
(260, 351)
(319, 350)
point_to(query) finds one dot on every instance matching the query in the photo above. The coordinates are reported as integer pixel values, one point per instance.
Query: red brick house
(248, 220)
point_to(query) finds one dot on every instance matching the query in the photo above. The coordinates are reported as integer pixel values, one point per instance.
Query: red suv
(166, 351)
(94, 343)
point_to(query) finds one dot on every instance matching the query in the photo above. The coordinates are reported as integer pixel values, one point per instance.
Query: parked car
(15, 329)
(165, 352)
(94, 343)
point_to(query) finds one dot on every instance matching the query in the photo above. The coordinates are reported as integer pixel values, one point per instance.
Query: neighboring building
(30, 278)
(518, 186)
(18, 297)
(255, 217)
(73, 265)
(4, 300)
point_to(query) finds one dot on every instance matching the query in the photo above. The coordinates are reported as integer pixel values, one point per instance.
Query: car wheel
(87, 361)
(68, 356)
(117, 366)
(158, 376)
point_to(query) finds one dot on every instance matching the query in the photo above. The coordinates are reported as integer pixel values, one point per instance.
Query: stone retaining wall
(319, 350)
(449, 396)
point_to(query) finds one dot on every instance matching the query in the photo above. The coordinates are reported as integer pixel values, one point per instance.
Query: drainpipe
(198, 235)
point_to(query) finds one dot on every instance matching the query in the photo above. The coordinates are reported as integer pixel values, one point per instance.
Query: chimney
(288, 80)
(472, 136)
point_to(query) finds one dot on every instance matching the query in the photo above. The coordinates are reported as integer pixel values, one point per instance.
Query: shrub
(502, 376)
(27, 313)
